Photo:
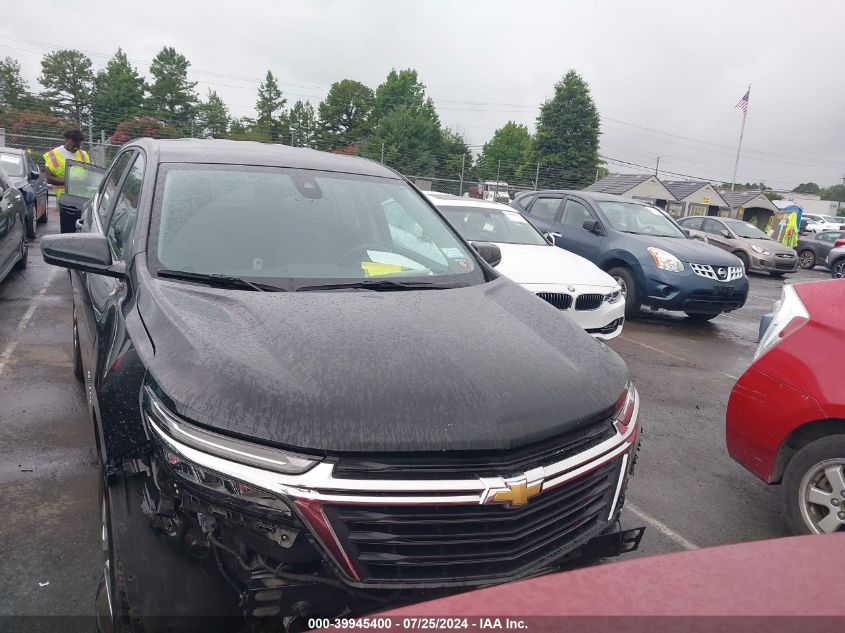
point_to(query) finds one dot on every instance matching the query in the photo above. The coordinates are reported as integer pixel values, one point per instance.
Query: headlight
(166, 425)
(613, 297)
(757, 249)
(790, 316)
(665, 260)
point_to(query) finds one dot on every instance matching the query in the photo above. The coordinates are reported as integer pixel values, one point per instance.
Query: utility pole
(657, 166)
(741, 133)
(461, 186)
(839, 202)
(597, 174)
(537, 177)
(382, 153)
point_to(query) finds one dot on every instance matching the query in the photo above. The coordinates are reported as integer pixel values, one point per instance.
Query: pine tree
(118, 93)
(213, 116)
(172, 98)
(303, 125)
(13, 87)
(567, 139)
(271, 120)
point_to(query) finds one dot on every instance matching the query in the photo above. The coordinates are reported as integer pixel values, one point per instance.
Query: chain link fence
(101, 153)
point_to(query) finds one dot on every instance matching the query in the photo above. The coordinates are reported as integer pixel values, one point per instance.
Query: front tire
(77, 352)
(30, 223)
(814, 487)
(807, 259)
(702, 317)
(744, 259)
(625, 279)
(24, 258)
(837, 271)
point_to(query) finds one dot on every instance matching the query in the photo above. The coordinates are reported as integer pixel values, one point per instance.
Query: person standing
(55, 159)
(55, 162)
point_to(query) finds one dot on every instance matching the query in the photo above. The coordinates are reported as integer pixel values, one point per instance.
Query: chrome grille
(589, 302)
(560, 300)
(732, 273)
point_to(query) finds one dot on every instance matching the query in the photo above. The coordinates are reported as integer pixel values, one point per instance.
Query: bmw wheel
(814, 487)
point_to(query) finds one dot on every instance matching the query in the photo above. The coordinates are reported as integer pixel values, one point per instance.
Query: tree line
(396, 122)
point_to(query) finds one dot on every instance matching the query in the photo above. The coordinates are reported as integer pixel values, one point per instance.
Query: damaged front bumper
(233, 540)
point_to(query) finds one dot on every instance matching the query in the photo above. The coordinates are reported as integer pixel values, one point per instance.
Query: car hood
(484, 367)
(539, 264)
(770, 245)
(687, 250)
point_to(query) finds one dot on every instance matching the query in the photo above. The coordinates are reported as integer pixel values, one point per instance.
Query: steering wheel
(347, 256)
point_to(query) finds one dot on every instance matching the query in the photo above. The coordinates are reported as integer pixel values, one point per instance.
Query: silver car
(836, 262)
(757, 251)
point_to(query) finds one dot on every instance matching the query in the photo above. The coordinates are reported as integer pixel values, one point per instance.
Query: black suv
(303, 409)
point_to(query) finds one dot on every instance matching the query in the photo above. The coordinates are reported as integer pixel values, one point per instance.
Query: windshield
(485, 224)
(833, 219)
(641, 219)
(746, 230)
(269, 223)
(12, 164)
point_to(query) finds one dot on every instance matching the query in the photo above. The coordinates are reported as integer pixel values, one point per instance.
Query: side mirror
(34, 175)
(87, 252)
(550, 237)
(490, 253)
(593, 226)
(685, 232)
(725, 233)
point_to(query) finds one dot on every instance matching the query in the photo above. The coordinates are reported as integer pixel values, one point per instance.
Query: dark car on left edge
(13, 246)
(30, 181)
(300, 412)
(643, 248)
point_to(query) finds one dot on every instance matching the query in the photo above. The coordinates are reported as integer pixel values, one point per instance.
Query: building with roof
(645, 187)
(751, 206)
(695, 197)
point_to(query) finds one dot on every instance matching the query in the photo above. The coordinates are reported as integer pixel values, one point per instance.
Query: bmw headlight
(613, 297)
(665, 260)
(762, 251)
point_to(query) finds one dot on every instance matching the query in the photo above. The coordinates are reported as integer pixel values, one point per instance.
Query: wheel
(837, 271)
(814, 487)
(625, 279)
(30, 222)
(807, 259)
(743, 258)
(24, 257)
(695, 316)
(43, 218)
(77, 352)
(777, 274)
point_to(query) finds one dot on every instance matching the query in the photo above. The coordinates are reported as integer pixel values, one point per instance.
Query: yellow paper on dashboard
(374, 269)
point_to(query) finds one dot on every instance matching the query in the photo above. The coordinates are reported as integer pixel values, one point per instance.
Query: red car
(786, 413)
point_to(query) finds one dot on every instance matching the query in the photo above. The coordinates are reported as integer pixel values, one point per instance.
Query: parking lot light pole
(461, 186)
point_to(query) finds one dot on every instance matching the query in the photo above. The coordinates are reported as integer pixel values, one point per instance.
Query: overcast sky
(665, 75)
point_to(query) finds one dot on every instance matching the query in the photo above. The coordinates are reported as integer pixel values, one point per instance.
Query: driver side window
(712, 227)
(574, 214)
(110, 182)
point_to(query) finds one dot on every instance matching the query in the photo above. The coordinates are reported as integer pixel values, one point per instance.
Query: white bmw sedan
(574, 285)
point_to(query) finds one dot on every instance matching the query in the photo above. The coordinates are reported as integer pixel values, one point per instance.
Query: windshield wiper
(220, 279)
(378, 284)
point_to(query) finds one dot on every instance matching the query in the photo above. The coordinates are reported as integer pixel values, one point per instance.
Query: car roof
(455, 201)
(225, 152)
(598, 196)
(12, 150)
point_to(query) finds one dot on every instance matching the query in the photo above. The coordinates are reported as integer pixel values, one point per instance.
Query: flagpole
(741, 133)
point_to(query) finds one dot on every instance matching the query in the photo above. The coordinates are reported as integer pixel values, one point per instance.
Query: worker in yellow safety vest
(55, 159)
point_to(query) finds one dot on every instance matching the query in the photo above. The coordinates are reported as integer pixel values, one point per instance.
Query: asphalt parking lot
(686, 489)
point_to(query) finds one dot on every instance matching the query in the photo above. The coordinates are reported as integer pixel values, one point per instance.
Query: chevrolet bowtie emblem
(514, 492)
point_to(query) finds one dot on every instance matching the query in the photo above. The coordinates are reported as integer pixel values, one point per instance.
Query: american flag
(743, 103)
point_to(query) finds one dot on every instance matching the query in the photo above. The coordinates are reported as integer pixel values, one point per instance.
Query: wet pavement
(686, 489)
